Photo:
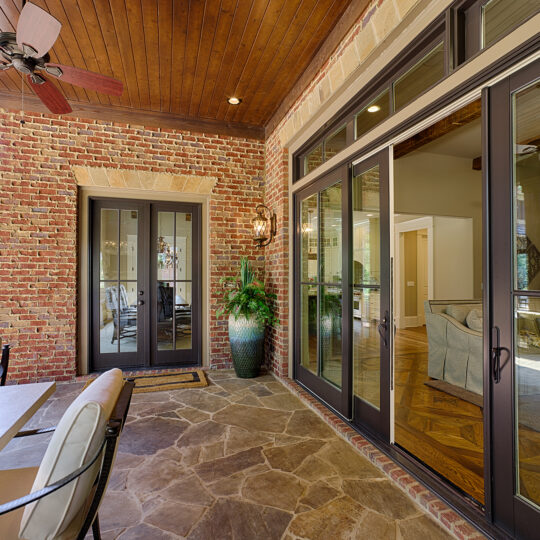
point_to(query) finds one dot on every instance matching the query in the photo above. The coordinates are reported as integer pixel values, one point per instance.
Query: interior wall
(441, 185)
(410, 280)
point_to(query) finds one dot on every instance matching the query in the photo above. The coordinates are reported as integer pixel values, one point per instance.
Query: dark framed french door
(514, 168)
(146, 288)
(322, 297)
(370, 271)
(342, 298)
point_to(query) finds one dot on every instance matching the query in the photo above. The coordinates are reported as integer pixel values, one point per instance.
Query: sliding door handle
(496, 353)
(383, 329)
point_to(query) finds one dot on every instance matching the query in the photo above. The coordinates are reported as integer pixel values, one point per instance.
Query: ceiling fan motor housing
(23, 63)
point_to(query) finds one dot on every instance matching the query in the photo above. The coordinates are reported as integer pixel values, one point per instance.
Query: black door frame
(122, 359)
(146, 356)
(338, 399)
(509, 511)
(366, 415)
(169, 358)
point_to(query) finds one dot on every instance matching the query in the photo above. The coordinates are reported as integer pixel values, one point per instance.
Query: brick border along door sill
(438, 509)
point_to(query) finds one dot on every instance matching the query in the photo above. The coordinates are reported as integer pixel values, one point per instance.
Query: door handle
(382, 327)
(140, 302)
(496, 353)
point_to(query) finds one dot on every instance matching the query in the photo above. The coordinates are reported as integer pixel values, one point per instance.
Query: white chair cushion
(77, 437)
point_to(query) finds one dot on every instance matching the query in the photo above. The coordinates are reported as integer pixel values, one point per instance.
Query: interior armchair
(60, 498)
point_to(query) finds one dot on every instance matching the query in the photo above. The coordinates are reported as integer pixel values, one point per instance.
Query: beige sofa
(455, 338)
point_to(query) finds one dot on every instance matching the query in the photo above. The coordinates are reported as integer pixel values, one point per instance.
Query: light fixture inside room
(234, 100)
(264, 218)
(306, 226)
(373, 108)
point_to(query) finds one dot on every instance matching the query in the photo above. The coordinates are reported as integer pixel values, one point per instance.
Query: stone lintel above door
(144, 180)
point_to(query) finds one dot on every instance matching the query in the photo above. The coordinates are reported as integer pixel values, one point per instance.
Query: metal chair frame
(107, 448)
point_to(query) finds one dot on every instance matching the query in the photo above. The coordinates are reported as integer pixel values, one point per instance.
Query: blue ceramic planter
(246, 337)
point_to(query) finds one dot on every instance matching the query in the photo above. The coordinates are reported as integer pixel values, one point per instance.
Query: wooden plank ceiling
(180, 60)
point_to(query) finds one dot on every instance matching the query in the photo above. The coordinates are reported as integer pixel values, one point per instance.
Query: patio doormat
(166, 381)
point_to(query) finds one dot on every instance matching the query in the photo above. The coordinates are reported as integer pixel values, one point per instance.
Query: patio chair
(61, 498)
(124, 315)
(4, 364)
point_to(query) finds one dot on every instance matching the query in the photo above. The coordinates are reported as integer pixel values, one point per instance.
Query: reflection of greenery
(331, 304)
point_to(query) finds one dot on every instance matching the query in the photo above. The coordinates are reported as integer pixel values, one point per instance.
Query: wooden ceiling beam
(126, 115)
(463, 116)
(353, 12)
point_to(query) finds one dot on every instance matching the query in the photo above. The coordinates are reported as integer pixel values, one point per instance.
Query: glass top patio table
(18, 403)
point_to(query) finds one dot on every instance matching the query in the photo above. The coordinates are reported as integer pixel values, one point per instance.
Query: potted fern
(250, 309)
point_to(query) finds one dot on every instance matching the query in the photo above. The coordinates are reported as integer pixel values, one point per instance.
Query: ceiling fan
(27, 52)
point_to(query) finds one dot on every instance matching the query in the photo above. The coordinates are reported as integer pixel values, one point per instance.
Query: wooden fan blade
(51, 97)
(87, 79)
(38, 29)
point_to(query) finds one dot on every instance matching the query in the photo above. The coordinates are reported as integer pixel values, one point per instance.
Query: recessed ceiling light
(373, 108)
(369, 215)
(234, 100)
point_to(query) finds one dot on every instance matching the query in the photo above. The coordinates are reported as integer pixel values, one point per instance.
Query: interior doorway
(413, 237)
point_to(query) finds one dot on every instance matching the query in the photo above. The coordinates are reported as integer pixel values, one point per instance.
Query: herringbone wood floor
(443, 431)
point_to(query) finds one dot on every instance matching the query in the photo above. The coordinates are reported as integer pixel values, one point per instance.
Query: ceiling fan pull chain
(22, 121)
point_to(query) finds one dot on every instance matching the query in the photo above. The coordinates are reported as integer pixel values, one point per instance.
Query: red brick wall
(38, 223)
(277, 254)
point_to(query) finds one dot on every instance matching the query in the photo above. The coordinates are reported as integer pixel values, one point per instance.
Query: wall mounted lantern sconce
(265, 218)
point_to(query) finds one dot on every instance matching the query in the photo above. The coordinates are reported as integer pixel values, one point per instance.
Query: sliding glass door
(370, 280)
(514, 142)
(343, 297)
(322, 299)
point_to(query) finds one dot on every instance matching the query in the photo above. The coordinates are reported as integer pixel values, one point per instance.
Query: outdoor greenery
(245, 296)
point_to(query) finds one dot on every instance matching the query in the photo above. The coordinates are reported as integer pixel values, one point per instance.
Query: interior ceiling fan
(27, 52)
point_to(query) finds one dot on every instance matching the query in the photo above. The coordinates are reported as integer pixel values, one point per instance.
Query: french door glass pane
(165, 315)
(527, 396)
(308, 256)
(166, 256)
(527, 189)
(127, 319)
(182, 314)
(174, 286)
(108, 249)
(330, 234)
(366, 294)
(118, 317)
(308, 318)
(118, 280)
(183, 246)
(330, 333)
(128, 244)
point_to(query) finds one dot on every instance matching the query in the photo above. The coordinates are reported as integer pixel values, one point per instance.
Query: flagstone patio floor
(239, 459)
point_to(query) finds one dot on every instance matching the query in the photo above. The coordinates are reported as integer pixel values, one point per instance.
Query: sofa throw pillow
(474, 320)
(457, 312)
